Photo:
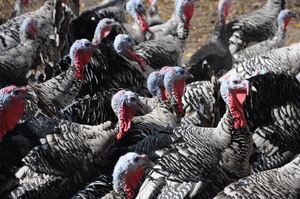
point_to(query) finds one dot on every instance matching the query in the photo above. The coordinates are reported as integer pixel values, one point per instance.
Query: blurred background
(202, 24)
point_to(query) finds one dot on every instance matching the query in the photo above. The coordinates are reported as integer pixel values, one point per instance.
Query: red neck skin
(136, 58)
(80, 62)
(104, 34)
(162, 93)
(131, 181)
(188, 14)
(25, 2)
(235, 102)
(226, 11)
(10, 117)
(286, 22)
(33, 30)
(125, 117)
(177, 92)
(143, 24)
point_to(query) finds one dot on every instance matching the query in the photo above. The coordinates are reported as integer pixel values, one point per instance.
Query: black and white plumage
(273, 118)
(168, 50)
(281, 60)
(108, 69)
(200, 161)
(67, 144)
(59, 91)
(16, 62)
(277, 41)
(281, 182)
(254, 27)
(215, 52)
(84, 25)
(153, 15)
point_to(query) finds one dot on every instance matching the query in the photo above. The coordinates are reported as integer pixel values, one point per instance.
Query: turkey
(9, 31)
(127, 173)
(153, 16)
(277, 41)
(16, 62)
(182, 9)
(281, 60)
(281, 182)
(64, 168)
(254, 27)
(58, 92)
(272, 113)
(215, 52)
(50, 18)
(201, 161)
(168, 50)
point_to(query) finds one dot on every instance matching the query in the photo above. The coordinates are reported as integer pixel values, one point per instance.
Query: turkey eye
(136, 159)
(16, 92)
(182, 72)
(236, 81)
(132, 99)
(108, 23)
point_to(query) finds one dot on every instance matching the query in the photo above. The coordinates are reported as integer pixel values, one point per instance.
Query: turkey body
(281, 182)
(254, 27)
(281, 60)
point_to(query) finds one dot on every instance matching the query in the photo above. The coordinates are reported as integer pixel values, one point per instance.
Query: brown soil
(203, 21)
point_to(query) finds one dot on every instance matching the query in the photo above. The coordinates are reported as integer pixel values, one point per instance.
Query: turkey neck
(10, 117)
(219, 33)
(274, 5)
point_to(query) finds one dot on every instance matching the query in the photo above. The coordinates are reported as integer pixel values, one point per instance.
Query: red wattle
(125, 117)
(178, 90)
(188, 14)
(131, 182)
(143, 24)
(136, 58)
(286, 22)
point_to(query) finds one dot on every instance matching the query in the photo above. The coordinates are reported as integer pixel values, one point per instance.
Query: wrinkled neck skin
(10, 117)
(235, 103)
(80, 61)
(178, 89)
(131, 181)
(139, 19)
(125, 119)
(103, 33)
(188, 14)
(133, 56)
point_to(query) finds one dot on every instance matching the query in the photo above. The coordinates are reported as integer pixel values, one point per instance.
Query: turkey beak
(95, 48)
(141, 108)
(30, 96)
(189, 75)
(294, 15)
(143, 11)
(147, 162)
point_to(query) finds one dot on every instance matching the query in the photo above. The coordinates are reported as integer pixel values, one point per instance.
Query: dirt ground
(203, 21)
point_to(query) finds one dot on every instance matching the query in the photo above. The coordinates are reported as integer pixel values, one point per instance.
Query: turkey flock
(100, 104)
